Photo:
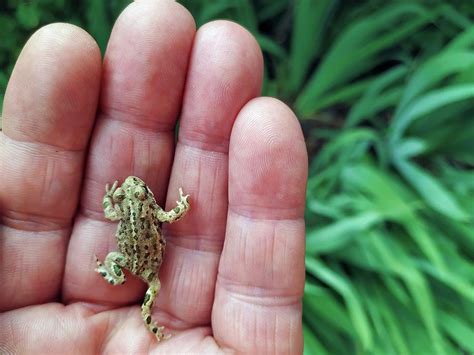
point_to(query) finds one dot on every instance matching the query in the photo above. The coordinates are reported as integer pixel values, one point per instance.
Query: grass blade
(433, 193)
(427, 104)
(433, 71)
(343, 287)
(312, 346)
(355, 51)
(337, 235)
(310, 18)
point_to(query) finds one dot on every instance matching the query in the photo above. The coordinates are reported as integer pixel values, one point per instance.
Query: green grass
(385, 94)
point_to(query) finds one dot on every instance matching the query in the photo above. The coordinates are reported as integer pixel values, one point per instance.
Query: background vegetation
(385, 94)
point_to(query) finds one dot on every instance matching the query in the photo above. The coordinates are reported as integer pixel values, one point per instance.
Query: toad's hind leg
(150, 295)
(111, 269)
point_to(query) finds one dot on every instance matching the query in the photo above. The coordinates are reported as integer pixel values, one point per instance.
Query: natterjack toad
(140, 240)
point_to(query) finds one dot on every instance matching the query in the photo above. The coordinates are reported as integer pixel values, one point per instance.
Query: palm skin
(233, 272)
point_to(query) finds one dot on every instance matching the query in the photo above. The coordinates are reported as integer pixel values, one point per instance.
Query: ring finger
(225, 73)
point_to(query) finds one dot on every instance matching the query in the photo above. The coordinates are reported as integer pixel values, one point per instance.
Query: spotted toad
(140, 241)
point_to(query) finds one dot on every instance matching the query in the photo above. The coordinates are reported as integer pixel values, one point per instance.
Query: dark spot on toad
(117, 270)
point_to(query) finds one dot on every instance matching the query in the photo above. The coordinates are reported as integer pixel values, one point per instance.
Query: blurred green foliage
(385, 94)
(20, 18)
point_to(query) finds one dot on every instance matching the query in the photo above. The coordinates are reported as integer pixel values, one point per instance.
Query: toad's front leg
(111, 210)
(176, 213)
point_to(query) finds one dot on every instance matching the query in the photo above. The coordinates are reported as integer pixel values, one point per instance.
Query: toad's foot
(150, 295)
(111, 270)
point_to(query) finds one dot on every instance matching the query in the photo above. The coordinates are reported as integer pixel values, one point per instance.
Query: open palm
(233, 273)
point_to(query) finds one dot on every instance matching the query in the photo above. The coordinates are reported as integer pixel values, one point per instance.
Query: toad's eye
(119, 195)
(140, 194)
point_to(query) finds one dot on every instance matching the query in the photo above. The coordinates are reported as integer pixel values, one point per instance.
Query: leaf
(214, 10)
(432, 191)
(346, 94)
(345, 140)
(427, 104)
(355, 50)
(310, 18)
(323, 305)
(28, 15)
(312, 346)
(343, 287)
(271, 47)
(396, 259)
(393, 200)
(433, 71)
(246, 15)
(337, 235)
(460, 285)
(323, 209)
(369, 104)
(455, 16)
(387, 194)
(272, 10)
(410, 147)
(389, 317)
(458, 330)
(98, 22)
(462, 42)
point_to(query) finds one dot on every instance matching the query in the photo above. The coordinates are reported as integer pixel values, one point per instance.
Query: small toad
(140, 240)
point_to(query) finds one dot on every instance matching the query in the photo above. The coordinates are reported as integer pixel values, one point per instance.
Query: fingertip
(225, 72)
(147, 10)
(53, 90)
(63, 36)
(238, 34)
(64, 45)
(273, 114)
(269, 162)
(234, 52)
(145, 63)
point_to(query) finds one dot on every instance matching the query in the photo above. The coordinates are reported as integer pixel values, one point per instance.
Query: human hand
(233, 272)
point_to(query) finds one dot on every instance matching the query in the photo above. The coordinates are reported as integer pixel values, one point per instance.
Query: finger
(261, 272)
(143, 79)
(225, 73)
(48, 113)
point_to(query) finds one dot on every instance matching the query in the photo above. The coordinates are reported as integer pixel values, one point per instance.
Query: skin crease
(233, 271)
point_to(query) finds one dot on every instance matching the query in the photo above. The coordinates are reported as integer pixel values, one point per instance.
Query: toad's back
(139, 236)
